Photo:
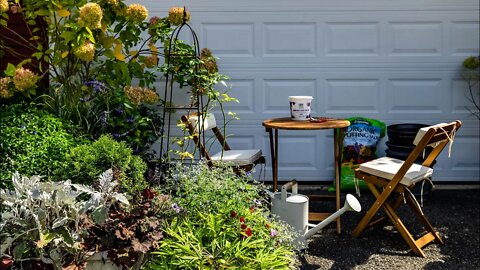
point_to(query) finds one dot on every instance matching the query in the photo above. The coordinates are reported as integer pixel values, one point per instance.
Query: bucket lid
(297, 198)
(300, 97)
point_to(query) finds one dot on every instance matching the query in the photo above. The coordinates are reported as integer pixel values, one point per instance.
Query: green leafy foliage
(227, 225)
(33, 141)
(89, 160)
(47, 222)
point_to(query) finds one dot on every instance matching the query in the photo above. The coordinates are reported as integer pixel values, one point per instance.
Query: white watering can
(293, 209)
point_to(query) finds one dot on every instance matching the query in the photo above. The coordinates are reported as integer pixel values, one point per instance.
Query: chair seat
(238, 157)
(387, 167)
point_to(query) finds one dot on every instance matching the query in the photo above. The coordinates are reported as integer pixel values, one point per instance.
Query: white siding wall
(396, 61)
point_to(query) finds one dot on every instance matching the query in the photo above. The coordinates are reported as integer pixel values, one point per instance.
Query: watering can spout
(351, 204)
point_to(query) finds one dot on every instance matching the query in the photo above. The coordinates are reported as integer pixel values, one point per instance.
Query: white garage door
(396, 61)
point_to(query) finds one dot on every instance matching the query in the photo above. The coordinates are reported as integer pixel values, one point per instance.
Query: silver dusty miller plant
(43, 220)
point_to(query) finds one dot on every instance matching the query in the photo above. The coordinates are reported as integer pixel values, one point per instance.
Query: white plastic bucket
(300, 107)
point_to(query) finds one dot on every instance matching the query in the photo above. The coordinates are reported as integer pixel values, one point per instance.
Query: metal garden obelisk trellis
(172, 58)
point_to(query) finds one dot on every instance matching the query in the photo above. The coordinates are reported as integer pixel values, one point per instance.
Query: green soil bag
(359, 146)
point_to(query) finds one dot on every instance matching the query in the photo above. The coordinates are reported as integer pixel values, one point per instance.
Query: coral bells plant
(129, 234)
(227, 224)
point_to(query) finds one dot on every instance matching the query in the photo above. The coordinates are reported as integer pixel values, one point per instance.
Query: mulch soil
(454, 213)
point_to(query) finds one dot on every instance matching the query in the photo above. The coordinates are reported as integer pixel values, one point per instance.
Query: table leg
(275, 164)
(337, 146)
(273, 155)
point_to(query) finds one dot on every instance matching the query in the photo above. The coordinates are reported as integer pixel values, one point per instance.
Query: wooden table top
(289, 124)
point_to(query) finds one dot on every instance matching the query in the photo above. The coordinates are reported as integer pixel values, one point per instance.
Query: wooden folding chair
(241, 160)
(396, 178)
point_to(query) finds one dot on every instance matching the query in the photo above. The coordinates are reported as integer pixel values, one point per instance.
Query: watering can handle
(293, 185)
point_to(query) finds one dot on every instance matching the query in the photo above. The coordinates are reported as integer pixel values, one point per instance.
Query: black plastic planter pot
(403, 134)
(400, 145)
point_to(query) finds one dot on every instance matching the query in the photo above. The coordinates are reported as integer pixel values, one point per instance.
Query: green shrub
(88, 161)
(32, 142)
(227, 225)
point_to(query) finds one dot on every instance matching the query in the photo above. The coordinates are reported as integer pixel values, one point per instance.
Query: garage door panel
(290, 39)
(464, 38)
(459, 97)
(415, 38)
(277, 92)
(396, 61)
(352, 39)
(419, 96)
(352, 96)
(229, 39)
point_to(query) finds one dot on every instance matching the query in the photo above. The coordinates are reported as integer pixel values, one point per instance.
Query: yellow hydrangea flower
(4, 91)
(112, 2)
(91, 15)
(136, 13)
(4, 5)
(150, 61)
(134, 93)
(85, 52)
(137, 95)
(175, 15)
(24, 79)
(150, 96)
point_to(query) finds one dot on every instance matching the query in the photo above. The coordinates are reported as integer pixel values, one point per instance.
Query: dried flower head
(209, 62)
(150, 61)
(4, 5)
(134, 94)
(5, 92)
(136, 13)
(24, 79)
(149, 96)
(85, 52)
(176, 14)
(91, 16)
(154, 20)
(137, 95)
(112, 2)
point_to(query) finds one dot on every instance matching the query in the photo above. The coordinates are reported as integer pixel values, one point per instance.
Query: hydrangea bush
(104, 58)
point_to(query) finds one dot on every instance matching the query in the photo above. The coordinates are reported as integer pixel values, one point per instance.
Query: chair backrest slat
(437, 136)
(194, 128)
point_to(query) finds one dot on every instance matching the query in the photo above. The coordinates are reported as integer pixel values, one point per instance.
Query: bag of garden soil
(359, 146)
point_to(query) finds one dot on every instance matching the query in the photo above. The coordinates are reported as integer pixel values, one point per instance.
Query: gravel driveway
(455, 214)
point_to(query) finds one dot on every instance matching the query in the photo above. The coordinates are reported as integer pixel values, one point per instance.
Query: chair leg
(384, 219)
(389, 210)
(407, 236)
(413, 203)
(365, 222)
